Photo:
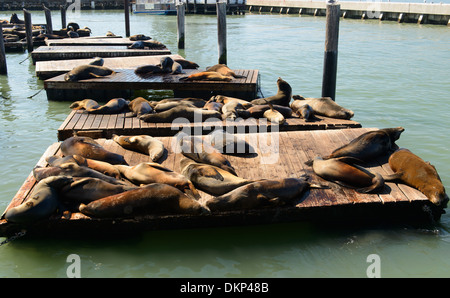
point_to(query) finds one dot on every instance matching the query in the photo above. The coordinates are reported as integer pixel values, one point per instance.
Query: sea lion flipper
(94, 75)
(350, 160)
(210, 173)
(392, 177)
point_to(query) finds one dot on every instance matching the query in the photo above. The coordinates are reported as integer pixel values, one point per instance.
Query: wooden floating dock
(45, 53)
(49, 69)
(104, 125)
(397, 202)
(126, 80)
(90, 41)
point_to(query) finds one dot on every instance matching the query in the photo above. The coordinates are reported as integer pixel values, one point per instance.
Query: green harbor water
(389, 74)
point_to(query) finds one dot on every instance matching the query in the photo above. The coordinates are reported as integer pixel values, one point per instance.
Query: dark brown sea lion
(186, 64)
(98, 165)
(15, 19)
(153, 199)
(149, 172)
(202, 152)
(145, 144)
(282, 98)
(88, 189)
(189, 113)
(113, 106)
(85, 104)
(224, 70)
(41, 203)
(140, 106)
(89, 148)
(210, 179)
(137, 37)
(370, 145)
(262, 194)
(87, 71)
(324, 106)
(206, 76)
(415, 172)
(341, 171)
(304, 111)
(148, 69)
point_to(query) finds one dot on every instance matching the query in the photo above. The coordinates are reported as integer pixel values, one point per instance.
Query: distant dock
(421, 13)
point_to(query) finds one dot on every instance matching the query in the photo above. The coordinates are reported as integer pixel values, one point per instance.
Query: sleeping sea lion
(137, 37)
(189, 113)
(213, 106)
(83, 72)
(186, 64)
(262, 194)
(209, 178)
(324, 106)
(113, 106)
(370, 145)
(304, 111)
(140, 106)
(97, 165)
(153, 199)
(89, 148)
(273, 115)
(231, 108)
(41, 203)
(149, 172)
(206, 76)
(341, 171)
(148, 69)
(226, 99)
(415, 172)
(198, 102)
(257, 111)
(282, 98)
(224, 70)
(165, 106)
(85, 104)
(145, 144)
(228, 143)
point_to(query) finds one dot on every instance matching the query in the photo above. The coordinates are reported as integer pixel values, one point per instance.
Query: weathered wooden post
(221, 8)
(28, 30)
(127, 17)
(48, 19)
(180, 24)
(3, 68)
(63, 16)
(331, 50)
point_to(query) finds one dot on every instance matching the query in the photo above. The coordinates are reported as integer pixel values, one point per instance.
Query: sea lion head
(436, 194)
(166, 63)
(70, 77)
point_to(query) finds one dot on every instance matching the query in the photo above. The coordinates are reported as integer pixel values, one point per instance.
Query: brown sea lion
(145, 144)
(262, 194)
(210, 179)
(186, 64)
(113, 106)
(89, 148)
(415, 172)
(100, 166)
(206, 76)
(140, 106)
(304, 111)
(324, 106)
(370, 145)
(341, 171)
(213, 106)
(88, 189)
(149, 172)
(231, 109)
(226, 99)
(224, 70)
(41, 203)
(148, 69)
(228, 143)
(274, 116)
(282, 98)
(137, 37)
(189, 113)
(202, 152)
(152, 199)
(85, 104)
(165, 106)
(198, 102)
(83, 72)
(257, 111)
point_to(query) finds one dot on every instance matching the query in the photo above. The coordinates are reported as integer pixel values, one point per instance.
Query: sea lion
(151, 44)
(210, 179)
(213, 106)
(415, 172)
(148, 69)
(224, 70)
(140, 106)
(145, 144)
(304, 111)
(228, 143)
(226, 99)
(137, 37)
(41, 203)
(177, 68)
(282, 98)
(198, 102)
(73, 34)
(83, 72)
(341, 171)
(85, 104)
(97, 61)
(152, 199)
(230, 110)
(149, 172)
(274, 116)
(166, 64)
(97, 165)
(186, 64)
(257, 111)
(73, 26)
(165, 106)
(324, 106)
(189, 113)
(89, 148)
(113, 106)
(262, 194)
(202, 152)
(110, 34)
(15, 19)
(89, 189)
(370, 145)
(206, 76)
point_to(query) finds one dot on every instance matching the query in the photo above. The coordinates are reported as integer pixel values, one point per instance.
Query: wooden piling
(3, 68)
(221, 8)
(331, 50)
(28, 30)
(63, 16)
(127, 17)
(48, 19)
(180, 24)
